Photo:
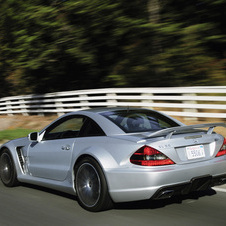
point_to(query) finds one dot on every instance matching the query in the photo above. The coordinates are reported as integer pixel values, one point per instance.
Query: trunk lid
(187, 144)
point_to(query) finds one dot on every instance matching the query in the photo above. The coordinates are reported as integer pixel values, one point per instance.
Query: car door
(50, 158)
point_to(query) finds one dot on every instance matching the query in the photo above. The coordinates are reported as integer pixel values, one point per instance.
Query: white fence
(205, 102)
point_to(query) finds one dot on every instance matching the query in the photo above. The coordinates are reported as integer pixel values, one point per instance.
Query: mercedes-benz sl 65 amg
(111, 155)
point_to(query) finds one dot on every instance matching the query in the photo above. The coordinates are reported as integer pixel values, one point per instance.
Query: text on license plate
(194, 152)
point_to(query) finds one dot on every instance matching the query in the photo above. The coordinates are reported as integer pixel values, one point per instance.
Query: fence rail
(207, 102)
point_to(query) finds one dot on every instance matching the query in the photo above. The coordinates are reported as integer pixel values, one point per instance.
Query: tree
(62, 45)
(57, 45)
(194, 37)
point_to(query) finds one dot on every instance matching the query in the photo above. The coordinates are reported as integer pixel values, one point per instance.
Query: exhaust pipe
(222, 181)
(166, 194)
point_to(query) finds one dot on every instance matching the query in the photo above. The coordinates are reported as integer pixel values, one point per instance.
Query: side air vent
(21, 158)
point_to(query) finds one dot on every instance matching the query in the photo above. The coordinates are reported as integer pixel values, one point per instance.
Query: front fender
(12, 147)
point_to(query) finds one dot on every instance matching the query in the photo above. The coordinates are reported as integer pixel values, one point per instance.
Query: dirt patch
(35, 123)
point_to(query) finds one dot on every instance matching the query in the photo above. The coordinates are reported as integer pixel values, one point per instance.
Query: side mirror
(33, 136)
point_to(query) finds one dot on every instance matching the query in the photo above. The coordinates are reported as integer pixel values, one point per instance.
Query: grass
(11, 134)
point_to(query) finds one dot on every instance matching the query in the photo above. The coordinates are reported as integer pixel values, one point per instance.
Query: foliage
(198, 41)
(59, 45)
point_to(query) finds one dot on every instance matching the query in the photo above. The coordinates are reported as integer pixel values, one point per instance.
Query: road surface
(31, 205)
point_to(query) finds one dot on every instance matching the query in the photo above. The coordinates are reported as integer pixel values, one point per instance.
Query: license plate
(195, 152)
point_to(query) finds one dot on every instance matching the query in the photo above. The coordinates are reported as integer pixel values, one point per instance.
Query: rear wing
(180, 129)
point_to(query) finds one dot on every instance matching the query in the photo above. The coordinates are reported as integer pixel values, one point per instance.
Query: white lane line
(220, 189)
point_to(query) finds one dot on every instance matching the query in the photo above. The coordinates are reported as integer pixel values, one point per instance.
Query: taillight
(148, 156)
(222, 150)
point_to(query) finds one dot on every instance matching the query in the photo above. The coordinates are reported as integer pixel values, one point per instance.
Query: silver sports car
(105, 156)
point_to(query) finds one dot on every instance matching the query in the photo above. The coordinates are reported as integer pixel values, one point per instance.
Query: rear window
(132, 121)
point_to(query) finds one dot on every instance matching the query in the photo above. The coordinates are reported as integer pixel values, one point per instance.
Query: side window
(163, 124)
(90, 128)
(67, 127)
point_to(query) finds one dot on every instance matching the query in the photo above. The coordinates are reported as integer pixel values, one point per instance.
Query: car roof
(107, 125)
(106, 109)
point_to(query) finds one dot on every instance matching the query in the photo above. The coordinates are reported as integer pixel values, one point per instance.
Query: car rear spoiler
(180, 129)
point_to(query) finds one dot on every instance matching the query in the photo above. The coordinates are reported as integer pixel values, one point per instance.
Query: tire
(91, 186)
(7, 169)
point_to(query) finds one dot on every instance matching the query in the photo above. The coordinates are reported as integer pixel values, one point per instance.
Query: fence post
(23, 108)
(147, 100)
(8, 105)
(112, 100)
(59, 109)
(190, 109)
(84, 101)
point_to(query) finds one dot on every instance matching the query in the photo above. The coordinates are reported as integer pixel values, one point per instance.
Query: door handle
(66, 147)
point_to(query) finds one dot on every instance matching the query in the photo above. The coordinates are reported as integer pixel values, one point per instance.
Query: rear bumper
(140, 183)
(196, 184)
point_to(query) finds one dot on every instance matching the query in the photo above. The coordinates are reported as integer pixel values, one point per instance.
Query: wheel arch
(100, 159)
(83, 156)
(103, 157)
(104, 201)
(9, 171)
(3, 148)
(13, 152)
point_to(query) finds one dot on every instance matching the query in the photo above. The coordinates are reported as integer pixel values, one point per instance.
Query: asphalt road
(28, 205)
